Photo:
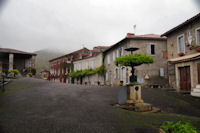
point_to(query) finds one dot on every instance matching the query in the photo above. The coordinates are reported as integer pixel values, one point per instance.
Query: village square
(143, 83)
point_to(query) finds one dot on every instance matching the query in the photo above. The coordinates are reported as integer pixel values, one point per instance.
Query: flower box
(181, 54)
(198, 49)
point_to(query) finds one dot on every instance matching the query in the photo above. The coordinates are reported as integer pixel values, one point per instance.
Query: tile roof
(138, 37)
(77, 51)
(14, 51)
(146, 36)
(194, 18)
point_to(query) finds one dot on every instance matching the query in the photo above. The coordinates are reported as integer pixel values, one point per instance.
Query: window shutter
(86, 64)
(106, 76)
(117, 53)
(114, 74)
(114, 56)
(122, 52)
(149, 49)
(108, 59)
(74, 67)
(92, 64)
(162, 72)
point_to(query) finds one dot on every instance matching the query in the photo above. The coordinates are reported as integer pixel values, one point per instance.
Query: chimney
(130, 35)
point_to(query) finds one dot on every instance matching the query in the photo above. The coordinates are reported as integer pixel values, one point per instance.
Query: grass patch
(14, 88)
(151, 120)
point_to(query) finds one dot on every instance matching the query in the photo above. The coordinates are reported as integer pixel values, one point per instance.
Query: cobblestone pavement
(37, 106)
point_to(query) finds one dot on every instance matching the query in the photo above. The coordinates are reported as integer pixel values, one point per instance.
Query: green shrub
(135, 60)
(30, 74)
(15, 71)
(33, 70)
(178, 127)
(81, 73)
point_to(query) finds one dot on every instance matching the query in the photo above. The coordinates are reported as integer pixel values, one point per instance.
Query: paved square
(37, 106)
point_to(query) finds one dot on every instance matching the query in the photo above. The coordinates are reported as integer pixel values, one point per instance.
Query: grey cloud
(70, 24)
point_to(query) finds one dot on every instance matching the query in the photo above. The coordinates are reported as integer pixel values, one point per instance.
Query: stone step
(198, 86)
(195, 94)
(196, 90)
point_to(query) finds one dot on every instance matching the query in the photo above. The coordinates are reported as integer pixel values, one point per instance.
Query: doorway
(198, 72)
(185, 79)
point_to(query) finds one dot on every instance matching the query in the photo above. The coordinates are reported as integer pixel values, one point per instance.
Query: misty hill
(43, 57)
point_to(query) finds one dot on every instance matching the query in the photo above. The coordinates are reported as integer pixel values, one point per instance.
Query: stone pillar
(11, 60)
(33, 61)
(134, 94)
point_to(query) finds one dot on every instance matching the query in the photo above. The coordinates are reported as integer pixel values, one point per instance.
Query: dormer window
(181, 44)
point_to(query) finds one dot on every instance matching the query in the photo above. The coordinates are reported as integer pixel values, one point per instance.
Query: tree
(132, 61)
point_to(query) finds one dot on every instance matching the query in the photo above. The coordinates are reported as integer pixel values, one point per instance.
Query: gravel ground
(37, 106)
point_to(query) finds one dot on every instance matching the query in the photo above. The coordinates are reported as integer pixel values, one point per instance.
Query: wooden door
(198, 71)
(185, 80)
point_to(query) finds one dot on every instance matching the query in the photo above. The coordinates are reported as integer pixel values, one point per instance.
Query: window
(114, 56)
(108, 59)
(117, 53)
(92, 64)
(162, 72)
(197, 36)
(181, 44)
(86, 65)
(151, 49)
(121, 51)
(79, 67)
(74, 67)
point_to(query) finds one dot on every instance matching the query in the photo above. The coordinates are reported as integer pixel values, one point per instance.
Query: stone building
(183, 42)
(60, 67)
(93, 61)
(154, 74)
(15, 59)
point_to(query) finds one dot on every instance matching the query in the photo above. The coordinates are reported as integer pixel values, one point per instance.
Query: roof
(14, 51)
(87, 57)
(195, 18)
(185, 58)
(67, 54)
(138, 37)
(102, 47)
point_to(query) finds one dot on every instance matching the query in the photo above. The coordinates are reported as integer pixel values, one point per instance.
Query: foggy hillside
(43, 57)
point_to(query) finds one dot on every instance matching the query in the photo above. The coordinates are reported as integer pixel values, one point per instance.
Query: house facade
(183, 55)
(89, 63)
(60, 67)
(154, 74)
(15, 59)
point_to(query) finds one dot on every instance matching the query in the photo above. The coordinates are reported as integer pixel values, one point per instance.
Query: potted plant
(197, 47)
(121, 83)
(181, 54)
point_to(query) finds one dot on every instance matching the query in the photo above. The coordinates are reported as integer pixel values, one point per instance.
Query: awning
(185, 58)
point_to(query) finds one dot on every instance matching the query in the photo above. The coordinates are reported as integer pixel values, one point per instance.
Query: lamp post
(133, 77)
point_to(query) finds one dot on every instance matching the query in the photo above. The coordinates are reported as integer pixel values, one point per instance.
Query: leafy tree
(134, 60)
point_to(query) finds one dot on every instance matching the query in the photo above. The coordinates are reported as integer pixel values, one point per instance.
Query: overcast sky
(69, 24)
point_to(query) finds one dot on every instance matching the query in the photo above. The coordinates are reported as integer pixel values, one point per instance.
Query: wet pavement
(38, 106)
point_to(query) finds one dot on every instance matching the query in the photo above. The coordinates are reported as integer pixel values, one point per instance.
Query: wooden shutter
(149, 49)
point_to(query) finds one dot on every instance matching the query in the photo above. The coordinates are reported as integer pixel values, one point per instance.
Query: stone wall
(116, 73)
(172, 47)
